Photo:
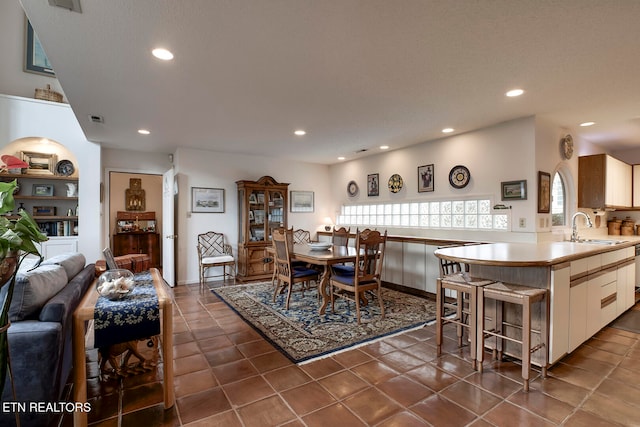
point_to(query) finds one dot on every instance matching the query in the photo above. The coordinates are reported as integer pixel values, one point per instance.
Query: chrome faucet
(574, 227)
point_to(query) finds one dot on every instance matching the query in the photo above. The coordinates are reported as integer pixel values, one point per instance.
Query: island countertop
(527, 254)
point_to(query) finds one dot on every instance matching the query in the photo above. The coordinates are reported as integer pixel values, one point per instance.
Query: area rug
(302, 334)
(629, 321)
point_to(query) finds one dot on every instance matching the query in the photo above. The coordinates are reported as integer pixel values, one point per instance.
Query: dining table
(324, 258)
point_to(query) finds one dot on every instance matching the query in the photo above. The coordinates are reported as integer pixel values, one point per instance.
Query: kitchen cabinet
(262, 208)
(138, 243)
(604, 182)
(636, 186)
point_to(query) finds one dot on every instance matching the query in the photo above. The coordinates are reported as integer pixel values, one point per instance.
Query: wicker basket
(48, 94)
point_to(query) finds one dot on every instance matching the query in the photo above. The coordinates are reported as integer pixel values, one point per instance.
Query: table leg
(322, 288)
(167, 354)
(79, 371)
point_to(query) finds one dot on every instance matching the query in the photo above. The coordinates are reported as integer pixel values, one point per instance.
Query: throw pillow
(33, 289)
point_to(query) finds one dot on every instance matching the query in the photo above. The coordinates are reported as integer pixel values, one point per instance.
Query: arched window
(558, 201)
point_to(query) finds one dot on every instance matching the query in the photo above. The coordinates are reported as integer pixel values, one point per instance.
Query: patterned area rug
(302, 334)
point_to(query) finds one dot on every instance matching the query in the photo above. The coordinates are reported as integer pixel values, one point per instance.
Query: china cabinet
(136, 234)
(262, 207)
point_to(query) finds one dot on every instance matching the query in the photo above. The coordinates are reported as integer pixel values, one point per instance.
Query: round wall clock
(395, 183)
(566, 146)
(352, 188)
(459, 176)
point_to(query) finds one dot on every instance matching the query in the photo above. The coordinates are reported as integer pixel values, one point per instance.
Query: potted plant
(18, 237)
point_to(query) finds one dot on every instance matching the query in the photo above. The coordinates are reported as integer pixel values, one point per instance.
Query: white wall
(25, 118)
(503, 152)
(13, 80)
(201, 168)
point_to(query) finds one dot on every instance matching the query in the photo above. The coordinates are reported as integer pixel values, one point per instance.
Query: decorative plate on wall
(395, 183)
(566, 146)
(459, 176)
(65, 168)
(352, 189)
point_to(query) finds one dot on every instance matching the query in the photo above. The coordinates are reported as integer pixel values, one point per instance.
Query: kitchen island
(589, 284)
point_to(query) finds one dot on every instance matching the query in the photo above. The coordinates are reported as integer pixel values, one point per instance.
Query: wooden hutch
(136, 234)
(262, 207)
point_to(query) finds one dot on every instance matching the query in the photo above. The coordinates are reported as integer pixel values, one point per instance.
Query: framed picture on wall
(36, 60)
(514, 190)
(373, 184)
(544, 192)
(207, 200)
(301, 201)
(425, 178)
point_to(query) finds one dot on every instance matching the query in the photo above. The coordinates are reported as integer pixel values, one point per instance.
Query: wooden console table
(85, 312)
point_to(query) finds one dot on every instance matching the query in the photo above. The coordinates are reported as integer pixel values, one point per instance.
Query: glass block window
(470, 214)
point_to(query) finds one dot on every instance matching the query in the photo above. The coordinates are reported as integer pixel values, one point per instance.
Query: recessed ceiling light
(585, 124)
(384, 147)
(143, 132)
(163, 54)
(447, 130)
(300, 132)
(514, 92)
(340, 158)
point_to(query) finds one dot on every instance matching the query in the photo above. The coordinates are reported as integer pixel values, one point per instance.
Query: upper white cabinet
(636, 186)
(604, 182)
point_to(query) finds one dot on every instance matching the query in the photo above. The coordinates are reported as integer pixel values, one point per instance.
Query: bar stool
(465, 308)
(524, 296)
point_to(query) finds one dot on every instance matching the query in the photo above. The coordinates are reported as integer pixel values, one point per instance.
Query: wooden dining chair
(301, 236)
(213, 251)
(340, 236)
(286, 274)
(370, 248)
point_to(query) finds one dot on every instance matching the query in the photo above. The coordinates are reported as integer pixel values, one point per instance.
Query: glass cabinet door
(275, 211)
(257, 216)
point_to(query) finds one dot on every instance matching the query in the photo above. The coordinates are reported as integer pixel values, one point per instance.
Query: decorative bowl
(320, 246)
(115, 284)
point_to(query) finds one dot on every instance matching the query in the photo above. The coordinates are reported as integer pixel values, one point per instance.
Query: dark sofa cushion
(33, 289)
(61, 306)
(72, 262)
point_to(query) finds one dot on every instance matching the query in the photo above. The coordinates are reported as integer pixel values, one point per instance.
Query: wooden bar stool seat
(465, 306)
(524, 296)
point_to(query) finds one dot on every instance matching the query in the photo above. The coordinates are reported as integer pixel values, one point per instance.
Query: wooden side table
(81, 317)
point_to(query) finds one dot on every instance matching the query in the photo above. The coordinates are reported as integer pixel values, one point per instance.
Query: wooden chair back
(340, 236)
(212, 243)
(301, 236)
(370, 249)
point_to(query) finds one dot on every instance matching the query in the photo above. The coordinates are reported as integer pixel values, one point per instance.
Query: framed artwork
(301, 201)
(39, 163)
(207, 200)
(544, 192)
(35, 60)
(514, 190)
(42, 190)
(373, 184)
(425, 178)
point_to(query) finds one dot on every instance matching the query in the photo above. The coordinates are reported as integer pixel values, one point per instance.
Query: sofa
(40, 335)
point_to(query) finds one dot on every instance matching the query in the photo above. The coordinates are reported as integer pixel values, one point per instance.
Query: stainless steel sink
(601, 241)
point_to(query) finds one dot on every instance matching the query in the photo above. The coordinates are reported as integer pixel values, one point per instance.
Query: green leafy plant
(18, 238)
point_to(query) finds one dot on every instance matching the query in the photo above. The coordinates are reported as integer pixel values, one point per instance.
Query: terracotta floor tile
(404, 390)
(401, 361)
(372, 406)
(343, 384)
(586, 419)
(374, 372)
(255, 348)
(423, 350)
(202, 405)
(423, 334)
(271, 411)
(543, 405)
(270, 361)
(223, 356)
(626, 376)
(214, 343)
(307, 398)
(442, 412)
(207, 331)
(334, 415)
(495, 383)
(434, 378)
(471, 397)
(194, 382)
(594, 353)
(378, 348)
(403, 419)
(321, 368)
(619, 390)
(234, 371)
(226, 419)
(509, 415)
(155, 415)
(610, 347)
(186, 349)
(248, 390)
(454, 365)
(287, 377)
(193, 363)
(561, 390)
(352, 358)
(612, 409)
(588, 364)
(577, 376)
(142, 397)
(401, 341)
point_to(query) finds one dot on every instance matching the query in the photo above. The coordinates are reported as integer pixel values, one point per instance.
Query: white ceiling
(356, 74)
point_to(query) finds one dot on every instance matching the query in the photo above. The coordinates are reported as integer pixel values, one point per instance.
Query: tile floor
(227, 375)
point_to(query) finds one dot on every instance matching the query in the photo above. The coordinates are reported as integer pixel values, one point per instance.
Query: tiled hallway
(227, 375)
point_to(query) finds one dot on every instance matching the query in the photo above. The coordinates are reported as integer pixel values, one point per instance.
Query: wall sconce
(328, 223)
